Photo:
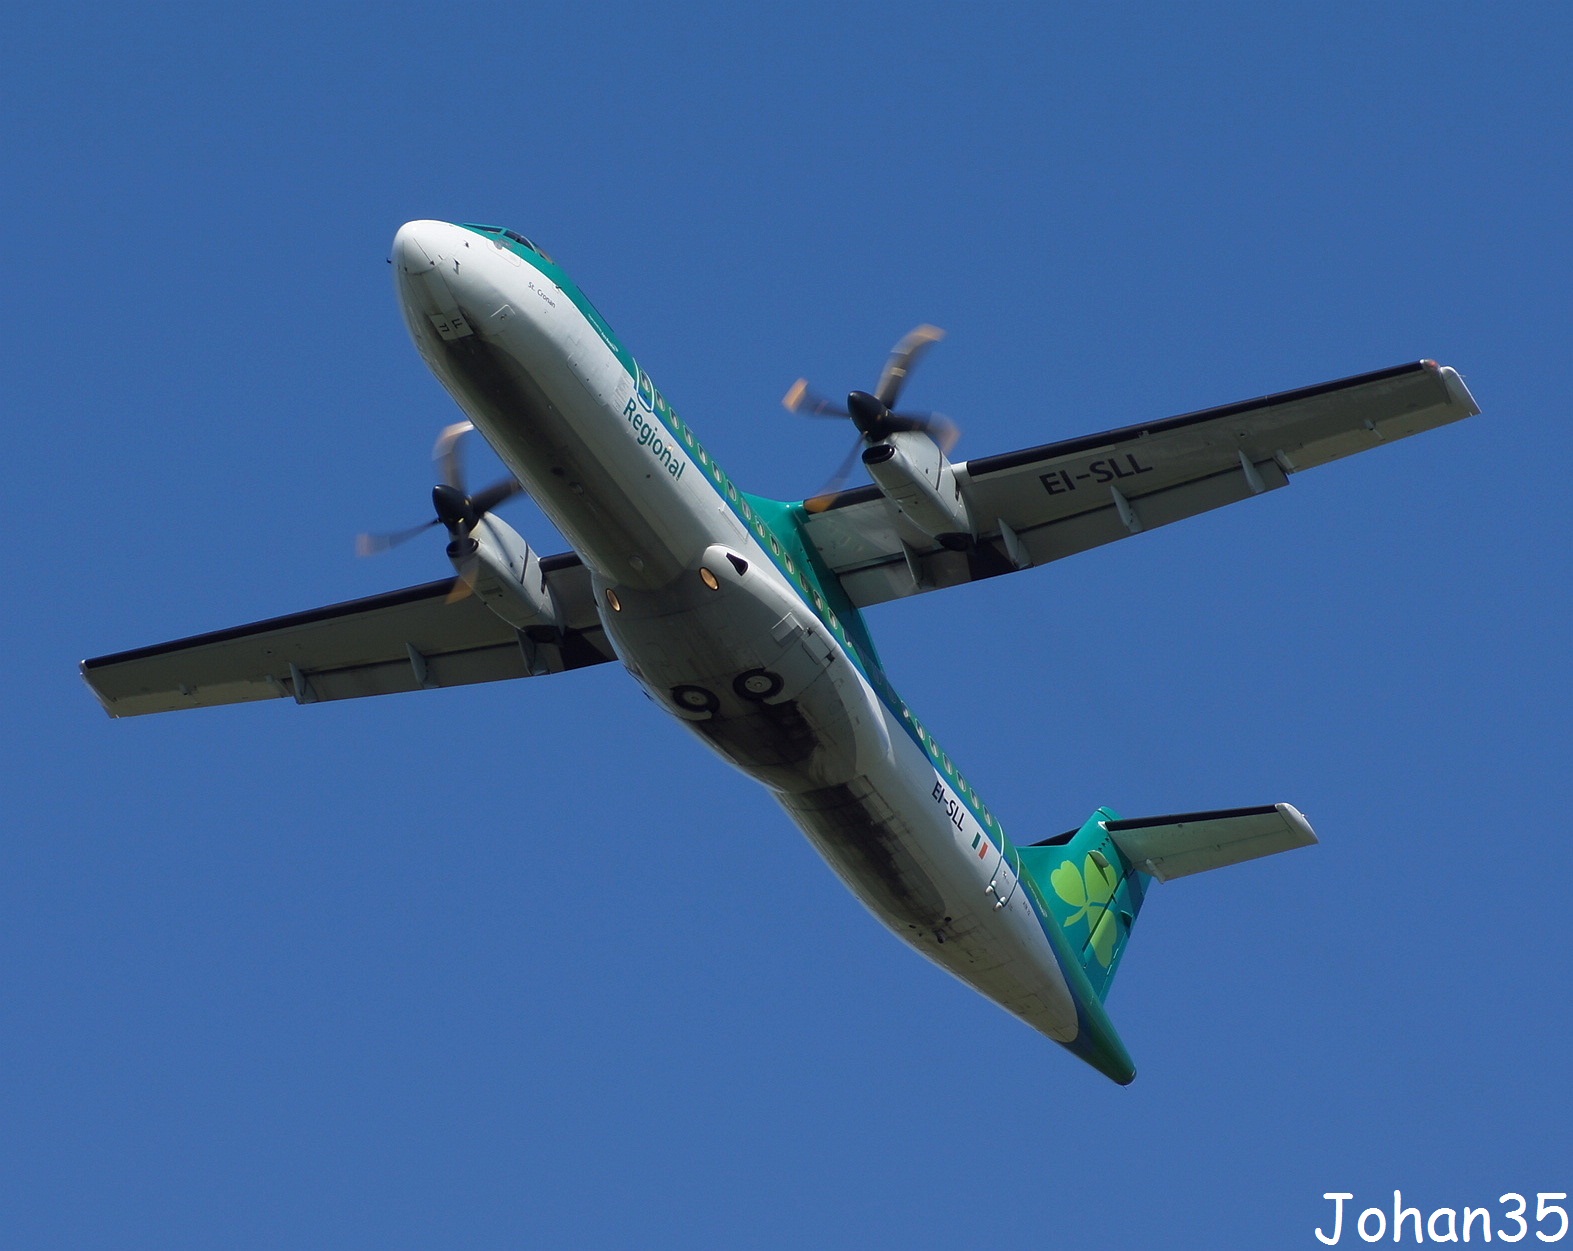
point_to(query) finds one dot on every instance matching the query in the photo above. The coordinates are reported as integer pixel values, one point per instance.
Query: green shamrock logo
(1089, 892)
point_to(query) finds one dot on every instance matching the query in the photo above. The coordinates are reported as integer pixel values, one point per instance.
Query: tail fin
(1092, 890)
(1098, 874)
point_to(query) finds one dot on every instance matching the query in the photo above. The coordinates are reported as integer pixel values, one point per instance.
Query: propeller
(457, 511)
(873, 413)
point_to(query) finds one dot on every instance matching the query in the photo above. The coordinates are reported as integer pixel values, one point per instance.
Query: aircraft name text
(541, 291)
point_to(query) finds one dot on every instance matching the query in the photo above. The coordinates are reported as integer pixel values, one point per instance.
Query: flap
(1192, 842)
(399, 641)
(1045, 503)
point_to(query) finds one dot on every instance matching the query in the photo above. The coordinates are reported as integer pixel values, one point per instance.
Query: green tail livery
(1091, 883)
(1093, 892)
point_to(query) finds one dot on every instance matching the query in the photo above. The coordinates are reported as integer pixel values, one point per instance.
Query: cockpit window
(534, 247)
(515, 236)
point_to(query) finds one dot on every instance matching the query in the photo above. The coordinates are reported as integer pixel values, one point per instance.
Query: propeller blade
(464, 583)
(446, 453)
(372, 544)
(454, 508)
(808, 403)
(832, 488)
(871, 412)
(937, 426)
(902, 360)
(484, 501)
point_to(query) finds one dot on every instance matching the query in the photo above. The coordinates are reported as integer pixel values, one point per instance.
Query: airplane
(741, 615)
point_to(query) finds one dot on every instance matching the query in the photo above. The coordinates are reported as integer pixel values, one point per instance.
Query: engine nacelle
(507, 575)
(915, 476)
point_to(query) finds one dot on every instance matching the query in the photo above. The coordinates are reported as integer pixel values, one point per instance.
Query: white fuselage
(713, 618)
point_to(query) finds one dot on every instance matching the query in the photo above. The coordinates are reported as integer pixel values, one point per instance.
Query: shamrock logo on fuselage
(1089, 890)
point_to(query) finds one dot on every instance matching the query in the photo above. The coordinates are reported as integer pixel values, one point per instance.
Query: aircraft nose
(429, 282)
(415, 247)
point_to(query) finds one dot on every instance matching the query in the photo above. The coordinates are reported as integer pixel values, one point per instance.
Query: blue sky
(524, 965)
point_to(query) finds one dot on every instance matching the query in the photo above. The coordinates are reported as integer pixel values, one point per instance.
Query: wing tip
(1458, 394)
(104, 701)
(1296, 820)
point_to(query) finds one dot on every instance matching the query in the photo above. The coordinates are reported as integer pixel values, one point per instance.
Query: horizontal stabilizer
(1192, 842)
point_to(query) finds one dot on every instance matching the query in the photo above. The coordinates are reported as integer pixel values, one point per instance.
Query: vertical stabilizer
(1092, 891)
(1093, 880)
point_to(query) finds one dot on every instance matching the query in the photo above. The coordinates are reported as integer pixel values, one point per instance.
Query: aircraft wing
(399, 641)
(1045, 503)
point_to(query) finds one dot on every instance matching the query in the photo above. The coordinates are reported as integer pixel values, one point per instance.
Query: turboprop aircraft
(741, 615)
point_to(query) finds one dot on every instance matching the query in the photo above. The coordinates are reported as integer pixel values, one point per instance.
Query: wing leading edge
(1045, 503)
(404, 640)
